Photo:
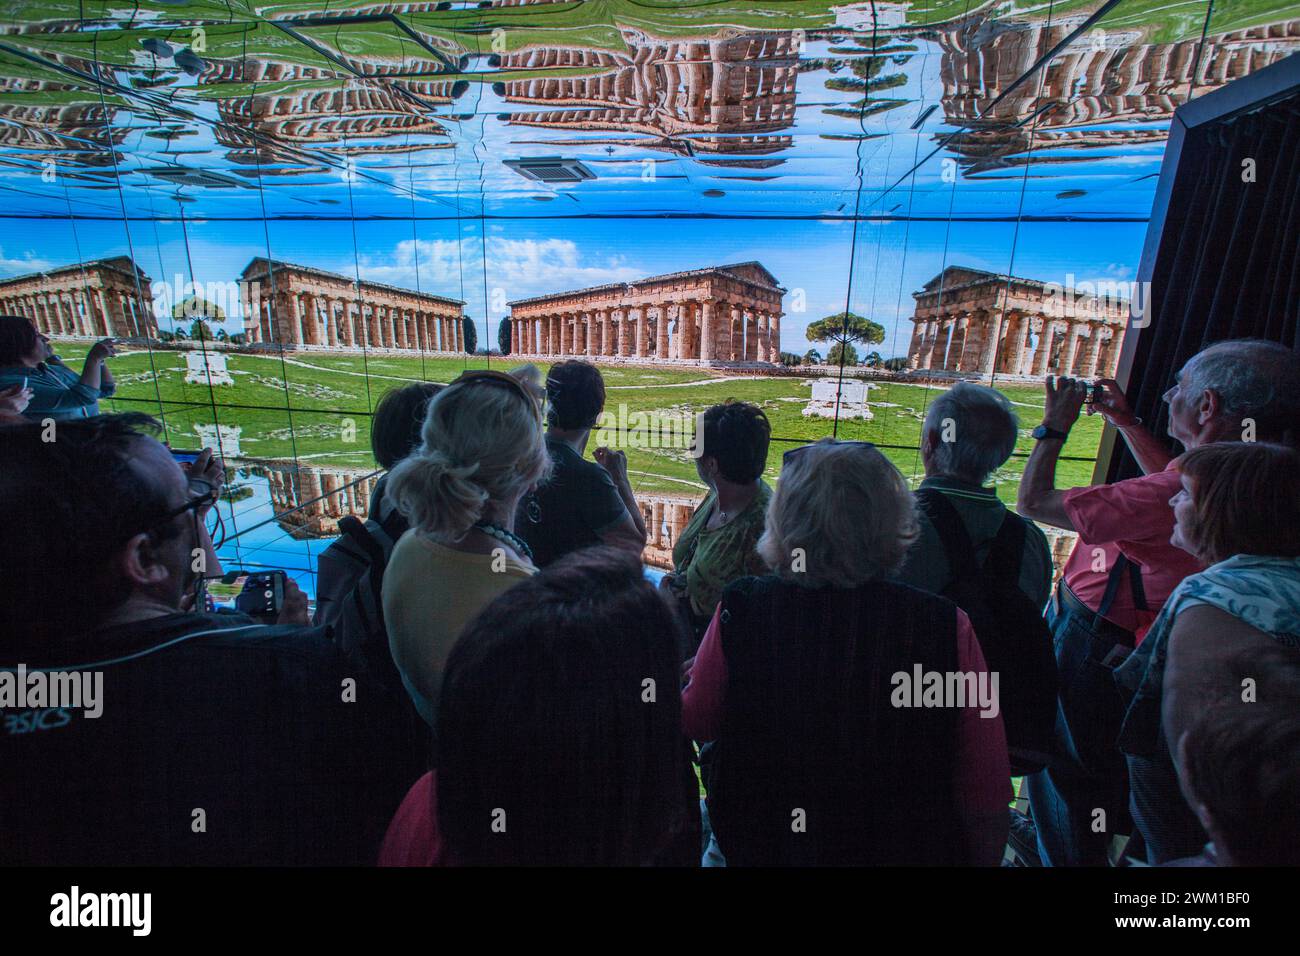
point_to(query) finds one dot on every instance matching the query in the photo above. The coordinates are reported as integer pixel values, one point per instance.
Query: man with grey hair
(969, 432)
(1123, 568)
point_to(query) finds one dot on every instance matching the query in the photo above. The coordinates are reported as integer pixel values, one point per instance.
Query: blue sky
(534, 256)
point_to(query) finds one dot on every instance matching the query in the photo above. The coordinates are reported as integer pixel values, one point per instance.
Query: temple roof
(323, 273)
(750, 272)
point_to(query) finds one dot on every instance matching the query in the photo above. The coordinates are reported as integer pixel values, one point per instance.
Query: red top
(412, 838)
(982, 778)
(1133, 517)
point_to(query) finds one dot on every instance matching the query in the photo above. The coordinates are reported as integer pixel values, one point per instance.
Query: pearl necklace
(501, 534)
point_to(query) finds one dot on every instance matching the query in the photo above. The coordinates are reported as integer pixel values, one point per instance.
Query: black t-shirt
(220, 742)
(571, 509)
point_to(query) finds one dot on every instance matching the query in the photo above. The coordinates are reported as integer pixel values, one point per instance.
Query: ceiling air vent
(185, 176)
(551, 169)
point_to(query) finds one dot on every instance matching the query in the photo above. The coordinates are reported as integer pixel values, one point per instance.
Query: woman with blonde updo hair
(481, 450)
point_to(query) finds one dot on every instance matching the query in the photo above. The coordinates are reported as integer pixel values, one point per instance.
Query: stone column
(943, 342)
(708, 331)
(774, 337)
(1110, 364)
(626, 333)
(657, 524)
(589, 333)
(1017, 342)
(458, 332)
(320, 333)
(661, 334)
(924, 350)
(331, 321)
(680, 515)
(53, 321)
(960, 334)
(563, 320)
(641, 331)
(1044, 350)
(754, 323)
(914, 344)
(1071, 350)
(295, 317)
(1088, 368)
(993, 330)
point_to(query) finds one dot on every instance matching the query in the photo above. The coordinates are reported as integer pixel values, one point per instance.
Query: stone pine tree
(471, 336)
(847, 328)
(503, 336)
(842, 353)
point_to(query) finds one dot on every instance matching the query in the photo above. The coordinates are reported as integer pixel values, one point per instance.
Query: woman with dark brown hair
(560, 731)
(1238, 510)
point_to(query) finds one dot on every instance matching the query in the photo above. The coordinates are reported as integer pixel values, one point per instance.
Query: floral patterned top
(1263, 592)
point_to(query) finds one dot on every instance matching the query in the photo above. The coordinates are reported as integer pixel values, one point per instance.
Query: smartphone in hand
(262, 595)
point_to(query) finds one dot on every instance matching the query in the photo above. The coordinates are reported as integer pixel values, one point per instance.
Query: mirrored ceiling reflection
(933, 108)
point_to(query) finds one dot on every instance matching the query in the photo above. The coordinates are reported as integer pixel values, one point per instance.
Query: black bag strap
(1123, 567)
(957, 545)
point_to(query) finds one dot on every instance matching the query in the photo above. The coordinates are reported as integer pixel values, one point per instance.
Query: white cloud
(21, 266)
(519, 267)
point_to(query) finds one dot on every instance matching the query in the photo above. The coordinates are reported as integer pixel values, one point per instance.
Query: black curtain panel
(1228, 264)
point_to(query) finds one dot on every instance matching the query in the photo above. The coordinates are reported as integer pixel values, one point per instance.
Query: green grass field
(316, 407)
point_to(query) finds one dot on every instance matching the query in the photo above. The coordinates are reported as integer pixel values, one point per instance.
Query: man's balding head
(74, 498)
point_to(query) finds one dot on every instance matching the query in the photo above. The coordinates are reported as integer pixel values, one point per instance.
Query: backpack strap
(952, 531)
(1009, 544)
(358, 532)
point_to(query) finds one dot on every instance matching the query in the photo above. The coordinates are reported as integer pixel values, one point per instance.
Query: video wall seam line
(859, 173)
(270, 272)
(791, 439)
(1015, 234)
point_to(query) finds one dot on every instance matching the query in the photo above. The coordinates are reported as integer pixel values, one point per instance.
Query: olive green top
(713, 559)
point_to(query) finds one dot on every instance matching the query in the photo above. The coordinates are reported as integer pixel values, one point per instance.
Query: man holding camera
(1123, 568)
(221, 740)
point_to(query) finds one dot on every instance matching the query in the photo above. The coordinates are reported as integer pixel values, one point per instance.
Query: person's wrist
(1056, 423)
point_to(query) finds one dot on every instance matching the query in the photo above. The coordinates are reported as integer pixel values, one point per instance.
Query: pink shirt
(412, 838)
(982, 781)
(1132, 517)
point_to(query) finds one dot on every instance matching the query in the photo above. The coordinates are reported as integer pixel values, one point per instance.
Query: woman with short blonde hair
(809, 680)
(807, 540)
(481, 450)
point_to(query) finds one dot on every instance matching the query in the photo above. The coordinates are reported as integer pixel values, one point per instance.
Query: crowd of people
(837, 671)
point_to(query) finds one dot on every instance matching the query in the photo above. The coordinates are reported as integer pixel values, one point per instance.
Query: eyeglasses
(486, 376)
(790, 455)
(205, 495)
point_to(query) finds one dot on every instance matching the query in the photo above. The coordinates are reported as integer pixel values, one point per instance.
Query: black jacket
(220, 742)
(813, 765)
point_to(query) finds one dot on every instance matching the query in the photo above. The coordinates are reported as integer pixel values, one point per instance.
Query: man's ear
(140, 562)
(929, 441)
(1208, 406)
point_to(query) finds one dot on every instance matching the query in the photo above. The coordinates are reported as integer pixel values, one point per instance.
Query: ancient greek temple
(665, 519)
(729, 94)
(309, 500)
(1114, 86)
(978, 323)
(301, 307)
(728, 313)
(106, 297)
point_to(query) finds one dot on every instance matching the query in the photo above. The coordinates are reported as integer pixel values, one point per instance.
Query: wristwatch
(1045, 431)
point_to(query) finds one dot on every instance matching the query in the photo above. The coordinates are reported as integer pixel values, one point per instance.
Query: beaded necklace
(501, 534)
